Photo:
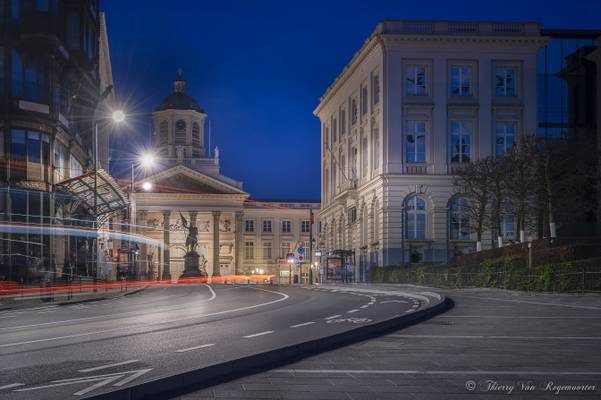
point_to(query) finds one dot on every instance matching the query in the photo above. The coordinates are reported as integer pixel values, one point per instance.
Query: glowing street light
(118, 116)
(147, 160)
(147, 186)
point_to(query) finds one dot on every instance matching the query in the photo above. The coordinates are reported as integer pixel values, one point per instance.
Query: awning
(109, 196)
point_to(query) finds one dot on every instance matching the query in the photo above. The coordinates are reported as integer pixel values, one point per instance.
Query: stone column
(216, 265)
(166, 252)
(238, 242)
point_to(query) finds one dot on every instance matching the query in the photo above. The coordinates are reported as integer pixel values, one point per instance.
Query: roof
(109, 197)
(179, 101)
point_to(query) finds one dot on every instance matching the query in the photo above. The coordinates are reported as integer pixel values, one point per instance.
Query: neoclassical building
(236, 235)
(416, 101)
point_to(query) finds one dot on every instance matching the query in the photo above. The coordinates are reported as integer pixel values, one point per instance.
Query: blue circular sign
(300, 250)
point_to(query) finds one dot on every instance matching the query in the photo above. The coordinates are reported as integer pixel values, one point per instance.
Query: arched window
(195, 135)
(459, 219)
(180, 132)
(164, 133)
(416, 215)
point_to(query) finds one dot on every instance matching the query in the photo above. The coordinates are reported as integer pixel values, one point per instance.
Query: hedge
(503, 273)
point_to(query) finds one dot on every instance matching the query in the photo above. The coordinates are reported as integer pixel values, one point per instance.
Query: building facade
(417, 100)
(236, 235)
(54, 67)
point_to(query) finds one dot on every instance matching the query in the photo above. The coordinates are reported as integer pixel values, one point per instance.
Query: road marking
(285, 296)
(352, 311)
(303, 324)
(202, 346)
(107, 366)
(432, 372)
(333, 316)
(111, 316)
(12, 385)
(365, 306)
(8, 316)
(497, 337)
(393, 301)
(257, 334)
(213, 294)
(101, 379)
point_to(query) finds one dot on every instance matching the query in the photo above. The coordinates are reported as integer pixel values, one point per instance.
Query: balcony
(416, 169)
(484, 28)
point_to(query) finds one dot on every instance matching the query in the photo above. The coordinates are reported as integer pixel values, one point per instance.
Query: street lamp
(147, 186)
(118, 116)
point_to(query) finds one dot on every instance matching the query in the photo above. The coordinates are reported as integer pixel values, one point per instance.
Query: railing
(460, 28)
(416, 169)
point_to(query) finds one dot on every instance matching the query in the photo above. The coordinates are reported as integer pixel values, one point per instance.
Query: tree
(473, 181)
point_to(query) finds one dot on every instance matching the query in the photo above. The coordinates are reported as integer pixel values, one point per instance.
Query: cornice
(529, 40)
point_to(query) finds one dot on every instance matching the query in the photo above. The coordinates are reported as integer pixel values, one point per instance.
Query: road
(493, 344)
(58, 352)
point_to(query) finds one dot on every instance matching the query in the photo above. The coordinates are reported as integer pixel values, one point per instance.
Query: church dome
(179, 100)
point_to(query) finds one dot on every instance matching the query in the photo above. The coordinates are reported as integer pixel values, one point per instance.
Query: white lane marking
(333, 316)
(97, 385)
(432, 372)
(108, 366)
(497, 337)
(393, 301)
(303, 324)
(365, 306)
(202, 346)
(111, 316)
(285, 296)
(352, 311)
(12, 385)
(8, 316)
(132, 377)
(258, 334)
(213, 294)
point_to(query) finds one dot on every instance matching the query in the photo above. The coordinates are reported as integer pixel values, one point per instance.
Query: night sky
(258, 69)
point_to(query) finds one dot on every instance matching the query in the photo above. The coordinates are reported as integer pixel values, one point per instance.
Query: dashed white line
(108, 366)
(364, 306)
(257, 334)
(12, 385)
(352, 311)
(202, 346)
(303, 324)
(333, 316)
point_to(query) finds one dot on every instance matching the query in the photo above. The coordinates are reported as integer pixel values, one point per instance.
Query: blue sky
(258, 68)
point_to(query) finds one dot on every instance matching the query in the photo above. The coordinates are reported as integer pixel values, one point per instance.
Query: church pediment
(181, 179)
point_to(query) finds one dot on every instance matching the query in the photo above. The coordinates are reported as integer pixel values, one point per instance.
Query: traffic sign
(300, 250)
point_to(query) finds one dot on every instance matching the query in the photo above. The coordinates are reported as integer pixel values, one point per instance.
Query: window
(195, 135)
(416, 141)
(29, 148)
(334, 177)
(28, 78)
(267, 226)
(286, 226)
(508, 227)
(284, 249)
(334, 130)
(364, 153)
(18, 154)
(459, 219)
(375, 89)
(73, 31)
(180, 132)
(342, 121)
(415, 218)
(60, 161)
(505, 82)
(305, 226)
(249, 250)
(76, 168)
(504, 136)
(352, 214)
(375, 139)
(249, 226)
(364, 100)
(353, 111)
(461, 81)
(416, 80)
(460, 141)
(164, 133)
(1, 65)
(15, 9)
(326, 136)
(267, 254)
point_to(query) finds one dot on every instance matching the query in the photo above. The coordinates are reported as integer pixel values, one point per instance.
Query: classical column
(216, 266)
(238, 242)
(166, 252)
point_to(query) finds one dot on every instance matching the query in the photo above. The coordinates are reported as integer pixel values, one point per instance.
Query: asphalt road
(493, 344)
(59, 352)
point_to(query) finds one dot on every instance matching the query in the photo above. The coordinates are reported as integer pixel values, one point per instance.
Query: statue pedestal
(191, 266)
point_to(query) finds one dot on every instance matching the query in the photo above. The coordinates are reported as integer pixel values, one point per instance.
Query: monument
(193, 267)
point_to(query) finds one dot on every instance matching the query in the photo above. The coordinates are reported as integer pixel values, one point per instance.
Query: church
(237, 235)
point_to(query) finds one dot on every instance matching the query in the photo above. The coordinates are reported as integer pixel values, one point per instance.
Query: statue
(192, 261)
(192, 236)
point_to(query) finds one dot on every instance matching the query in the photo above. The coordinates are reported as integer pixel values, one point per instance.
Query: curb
(68, 303)
(201, 378)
